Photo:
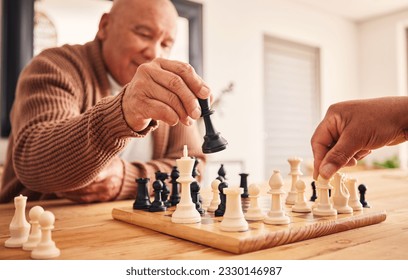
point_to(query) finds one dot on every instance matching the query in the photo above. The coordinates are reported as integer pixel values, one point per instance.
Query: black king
(213, 141)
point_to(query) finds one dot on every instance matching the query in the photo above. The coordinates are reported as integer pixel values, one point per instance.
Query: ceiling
(357, 10)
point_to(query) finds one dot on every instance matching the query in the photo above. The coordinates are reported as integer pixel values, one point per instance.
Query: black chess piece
(194, 174)
(314, 196)
(142, 197)
(362, 189)
(195, 195)
(221, 174)
(213, 141)
(157, 204)
(175, 189)
(244, 184)
(223, 198)
(163, 176)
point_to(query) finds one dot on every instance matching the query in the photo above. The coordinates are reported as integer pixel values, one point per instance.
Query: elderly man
(90, 119)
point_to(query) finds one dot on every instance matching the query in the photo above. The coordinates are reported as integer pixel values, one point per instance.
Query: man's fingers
(189, 76)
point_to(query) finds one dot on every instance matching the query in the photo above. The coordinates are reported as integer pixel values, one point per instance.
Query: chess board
(259, 235)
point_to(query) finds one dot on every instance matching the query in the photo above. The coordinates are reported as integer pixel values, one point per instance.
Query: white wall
(233, 51)
(383, 66)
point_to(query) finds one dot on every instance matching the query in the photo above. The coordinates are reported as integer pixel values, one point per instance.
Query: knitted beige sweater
(67, 126)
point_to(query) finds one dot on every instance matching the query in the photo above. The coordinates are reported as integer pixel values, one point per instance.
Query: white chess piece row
(235, 220)
(39, 240)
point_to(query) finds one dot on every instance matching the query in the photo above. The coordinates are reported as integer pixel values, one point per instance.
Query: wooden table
(89, 232)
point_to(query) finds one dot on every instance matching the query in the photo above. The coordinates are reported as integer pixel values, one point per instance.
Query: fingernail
(189, 121)
(327, 170)
(196, 113)
(204, 92)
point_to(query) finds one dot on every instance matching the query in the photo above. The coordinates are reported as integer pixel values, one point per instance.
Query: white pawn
(340, 195)
(19, 227)
(216, 196)
(276, 215)
(46, 248)
(233, 219)
(324, 206)
(35, 235)
(354, 201)
(254, 212)
(301, 205)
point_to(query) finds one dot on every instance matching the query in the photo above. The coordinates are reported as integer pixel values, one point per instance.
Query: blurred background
(274, 66)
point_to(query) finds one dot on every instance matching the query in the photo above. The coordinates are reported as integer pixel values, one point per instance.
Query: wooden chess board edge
(239, 243)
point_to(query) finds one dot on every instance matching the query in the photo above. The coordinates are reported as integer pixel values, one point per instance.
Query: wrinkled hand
(351, 129)
(105, 187)
(164, 90)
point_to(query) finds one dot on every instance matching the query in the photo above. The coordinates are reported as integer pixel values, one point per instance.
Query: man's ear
(102, 28)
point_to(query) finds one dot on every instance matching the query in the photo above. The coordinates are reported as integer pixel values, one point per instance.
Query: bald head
(120, 7)
(135, 32)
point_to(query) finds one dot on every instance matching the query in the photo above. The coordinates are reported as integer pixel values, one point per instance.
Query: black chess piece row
(161, 191)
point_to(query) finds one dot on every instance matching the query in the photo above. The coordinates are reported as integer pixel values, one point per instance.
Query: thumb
(340, 155)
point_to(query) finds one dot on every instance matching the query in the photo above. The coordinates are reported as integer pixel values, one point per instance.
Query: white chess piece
(301, 205)
(233, 219)
(254, 212)
(340, 195)
(216, 196)
(19, 227)
(186, 212)
(295, 173)
(324, 206)
(276, 214)
(35, 234)
(46, 248)
(354, 201)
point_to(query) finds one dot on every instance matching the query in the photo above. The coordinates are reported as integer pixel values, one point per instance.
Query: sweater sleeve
(60, 144)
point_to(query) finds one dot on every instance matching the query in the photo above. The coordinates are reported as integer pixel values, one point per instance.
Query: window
(292, 102)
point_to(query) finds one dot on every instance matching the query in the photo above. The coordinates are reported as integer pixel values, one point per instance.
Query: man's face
(135, 33)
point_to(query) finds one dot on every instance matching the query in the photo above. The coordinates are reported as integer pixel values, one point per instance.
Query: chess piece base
(324, 212)
(14, 242)
(46, 251)
(344, 210)
(277, 218)
(186, 214)
(256, 215)
(304, 208)
(234, 224)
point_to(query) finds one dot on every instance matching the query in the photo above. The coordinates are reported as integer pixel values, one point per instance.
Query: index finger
(193, 81)
(322, 140)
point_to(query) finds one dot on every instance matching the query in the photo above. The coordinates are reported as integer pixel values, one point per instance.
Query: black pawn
(195, 195)
(194, 174)
(213, 142)
(244, 184)
(195, 189)
(157, 204)
(314, 196)
(362, 189)
(221, 174)
(223, 198)
(162, 176)
(142, 197)
(175, 189)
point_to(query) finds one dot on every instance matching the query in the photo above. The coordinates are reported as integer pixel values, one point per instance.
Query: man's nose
(153, 51)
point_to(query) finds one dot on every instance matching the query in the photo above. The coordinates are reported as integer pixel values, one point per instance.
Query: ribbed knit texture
(66, 127)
